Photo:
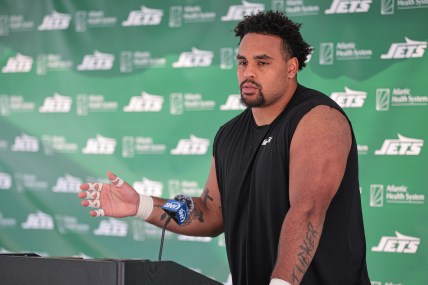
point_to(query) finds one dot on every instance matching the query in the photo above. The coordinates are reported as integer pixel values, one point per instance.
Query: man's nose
(250, 71)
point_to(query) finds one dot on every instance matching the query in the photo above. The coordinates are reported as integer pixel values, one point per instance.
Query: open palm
(117, 199)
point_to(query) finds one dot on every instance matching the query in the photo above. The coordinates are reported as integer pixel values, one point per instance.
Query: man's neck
(267, 114)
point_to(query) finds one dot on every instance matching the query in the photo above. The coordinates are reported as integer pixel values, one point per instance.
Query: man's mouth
(249, 88)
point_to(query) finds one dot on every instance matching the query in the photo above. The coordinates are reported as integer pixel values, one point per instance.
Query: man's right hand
(117, 199)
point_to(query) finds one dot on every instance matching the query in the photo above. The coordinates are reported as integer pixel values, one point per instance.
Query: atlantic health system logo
(380, 195)
(5, 181)
(341, 51)
(398, 97)
(388, 7)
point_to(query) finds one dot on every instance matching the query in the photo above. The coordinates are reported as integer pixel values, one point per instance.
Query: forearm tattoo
(164, 215)
(305, 256)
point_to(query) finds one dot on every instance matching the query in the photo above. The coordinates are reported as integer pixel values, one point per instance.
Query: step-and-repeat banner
(141, 87)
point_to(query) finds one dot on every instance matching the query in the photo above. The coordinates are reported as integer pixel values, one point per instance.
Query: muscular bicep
(208, 205)
(318, 156)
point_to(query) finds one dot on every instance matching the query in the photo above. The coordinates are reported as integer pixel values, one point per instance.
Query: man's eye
(263, 63)
(242, 63)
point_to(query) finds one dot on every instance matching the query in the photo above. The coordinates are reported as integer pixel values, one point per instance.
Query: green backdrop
(141, 87)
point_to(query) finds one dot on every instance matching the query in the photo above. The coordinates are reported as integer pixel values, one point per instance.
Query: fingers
(115, 180)
(97, 213)
(91, 192)
(94, 203)
(91, 186)
(93, 195)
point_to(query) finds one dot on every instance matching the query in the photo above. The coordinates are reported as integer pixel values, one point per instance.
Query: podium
(31, 269)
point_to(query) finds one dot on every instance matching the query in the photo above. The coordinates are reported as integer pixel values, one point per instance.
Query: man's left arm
(318, 156)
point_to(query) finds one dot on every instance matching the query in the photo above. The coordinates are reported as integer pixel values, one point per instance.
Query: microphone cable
(188, 206)
(162, 237)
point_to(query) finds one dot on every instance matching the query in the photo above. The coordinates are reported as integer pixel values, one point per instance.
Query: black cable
(163, 235)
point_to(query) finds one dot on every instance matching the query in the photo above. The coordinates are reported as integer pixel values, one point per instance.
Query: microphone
(179, 210)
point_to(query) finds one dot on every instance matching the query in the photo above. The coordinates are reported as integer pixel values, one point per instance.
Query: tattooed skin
(164, 215)
(304, 257)
(198, 214)
(205, 197)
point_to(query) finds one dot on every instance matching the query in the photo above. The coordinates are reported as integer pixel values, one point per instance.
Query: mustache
(251, 82)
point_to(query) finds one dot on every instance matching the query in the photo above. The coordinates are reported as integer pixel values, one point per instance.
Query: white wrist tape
(276, 281)
(145, 207)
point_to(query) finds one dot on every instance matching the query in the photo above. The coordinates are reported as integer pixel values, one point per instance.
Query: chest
(253, 156)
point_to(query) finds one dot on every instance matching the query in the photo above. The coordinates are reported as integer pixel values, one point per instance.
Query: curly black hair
(277, 24)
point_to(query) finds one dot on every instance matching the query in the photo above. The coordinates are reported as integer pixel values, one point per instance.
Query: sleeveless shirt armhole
(215, 140)
(300, 111)
(296, 115)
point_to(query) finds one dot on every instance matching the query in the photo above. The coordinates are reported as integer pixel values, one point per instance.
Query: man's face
(262, 70)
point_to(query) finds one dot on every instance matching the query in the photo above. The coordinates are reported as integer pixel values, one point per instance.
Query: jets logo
(346, 6)
(402, 146)
(409, 49)
(398, 244)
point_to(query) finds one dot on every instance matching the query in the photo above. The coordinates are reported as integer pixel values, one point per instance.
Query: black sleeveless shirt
(252, 164)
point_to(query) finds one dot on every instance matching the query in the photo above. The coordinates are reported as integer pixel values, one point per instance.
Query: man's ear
(293, 67)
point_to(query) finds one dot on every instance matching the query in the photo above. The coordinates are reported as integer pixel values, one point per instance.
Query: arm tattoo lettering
(304, 257)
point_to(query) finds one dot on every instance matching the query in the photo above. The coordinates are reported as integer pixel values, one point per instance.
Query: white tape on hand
(276, 281)
(100, 213)
(94, 203)
(93, 195)
(118, 180)
(92, 186)
(145, 207)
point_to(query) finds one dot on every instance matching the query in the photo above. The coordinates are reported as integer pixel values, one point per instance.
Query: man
(283, 183)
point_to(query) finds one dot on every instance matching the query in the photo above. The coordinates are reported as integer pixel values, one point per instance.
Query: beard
(253, 102)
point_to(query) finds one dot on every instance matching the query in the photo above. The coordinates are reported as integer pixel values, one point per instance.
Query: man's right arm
(119, 200)
(206, 218)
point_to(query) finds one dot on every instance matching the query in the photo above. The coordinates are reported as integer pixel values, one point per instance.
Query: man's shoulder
(309, 94)
(306, 98)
